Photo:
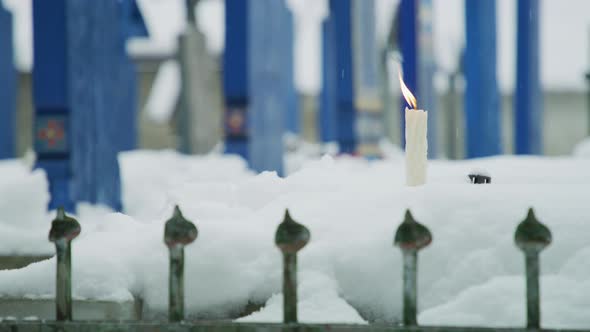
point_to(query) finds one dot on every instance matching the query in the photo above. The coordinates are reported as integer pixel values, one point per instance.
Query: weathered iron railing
(531, 237)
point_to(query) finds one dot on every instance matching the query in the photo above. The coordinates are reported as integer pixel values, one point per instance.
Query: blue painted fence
(257, 81)
(85, 98)
(235, 77)
(8, 87)
(368, 104)
(340, 12)
(346, 118)
(482, 109)
(528, 108)
(293, 112)
(51, 130)
(427, 69)
(327, 115)
(268, 83)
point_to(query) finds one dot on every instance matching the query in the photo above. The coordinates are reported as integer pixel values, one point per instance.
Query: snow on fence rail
(531, 237)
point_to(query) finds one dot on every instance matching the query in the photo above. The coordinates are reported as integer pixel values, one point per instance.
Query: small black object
(479, 178)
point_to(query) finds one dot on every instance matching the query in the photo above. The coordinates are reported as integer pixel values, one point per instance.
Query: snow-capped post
(178, 232)
(411, 237)
(531, 237)
(290, 238)
(63, 230)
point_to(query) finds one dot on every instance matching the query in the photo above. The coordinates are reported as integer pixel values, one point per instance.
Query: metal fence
(531, 237)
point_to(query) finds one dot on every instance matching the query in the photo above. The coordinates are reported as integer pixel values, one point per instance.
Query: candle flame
(410, 99)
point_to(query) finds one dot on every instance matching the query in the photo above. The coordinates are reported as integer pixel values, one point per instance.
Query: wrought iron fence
(531, 237)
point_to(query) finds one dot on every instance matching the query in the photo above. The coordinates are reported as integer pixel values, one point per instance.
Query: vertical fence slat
(178, 233)
(63, 230)
(290, 238)
(531, 237)
(411, 237)
(290, 287)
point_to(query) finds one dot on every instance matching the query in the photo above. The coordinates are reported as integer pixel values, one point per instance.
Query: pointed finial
(179, 230)
(64, 227)
(177, 213)
(412, 235)
(408, 217)
(531, 214)
(287, 217)
(532, 235)
(291, 236)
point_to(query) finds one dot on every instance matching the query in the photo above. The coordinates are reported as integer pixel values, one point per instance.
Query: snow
(22, 32)
(165, 20)
(19, 224)
(211, 21)
(149, 178)
(164, 94)
(582, 149)
(350, 271)
(318, 302)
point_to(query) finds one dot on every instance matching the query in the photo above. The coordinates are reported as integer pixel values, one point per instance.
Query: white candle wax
(416, 146)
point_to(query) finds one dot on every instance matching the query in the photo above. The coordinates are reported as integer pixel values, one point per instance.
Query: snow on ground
(21, 224)
(350, 271)
(149, 178)
(582, 149)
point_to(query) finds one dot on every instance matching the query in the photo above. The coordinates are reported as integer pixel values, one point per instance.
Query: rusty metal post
(411, 237)
(178, 233)
(290, 238)
(63, 230)
(531, 237)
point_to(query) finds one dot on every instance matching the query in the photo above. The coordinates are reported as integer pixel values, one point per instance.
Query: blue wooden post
(327, 114)
(267, 83)
(528, 109)
(51, 130)
(293, 114)
(84, 89)
(8, 81)
(235, 77)
(115, 104)
(369, 119)
(482, 115)
(427, 68)
(408, 30)
(85, 98)
(133, 25)
(345, 108)
(93, 75)
(132, 20)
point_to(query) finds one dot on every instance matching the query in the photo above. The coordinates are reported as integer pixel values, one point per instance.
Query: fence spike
(290, 238)
(178, 233)
(531, 237)
(63, 230)
(411, 237)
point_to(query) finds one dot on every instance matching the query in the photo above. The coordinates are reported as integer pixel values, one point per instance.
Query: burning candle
(416, 142)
